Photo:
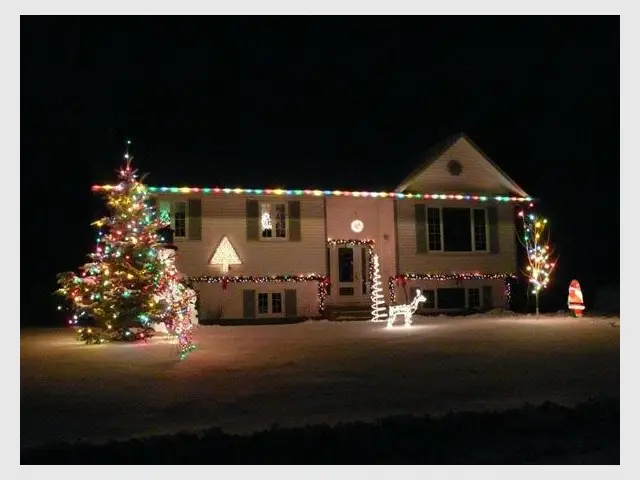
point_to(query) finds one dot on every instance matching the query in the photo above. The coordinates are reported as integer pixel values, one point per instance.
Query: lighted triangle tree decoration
(541, 258)
(225, 255)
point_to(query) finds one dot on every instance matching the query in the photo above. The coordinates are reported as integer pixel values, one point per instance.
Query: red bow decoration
(401, 280)
(225, 282)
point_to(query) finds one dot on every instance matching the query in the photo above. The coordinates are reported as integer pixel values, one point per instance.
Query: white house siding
(504, 261)
(226, 215)
(377, 217)
(478, 175)
(218, 303)
(409, 261)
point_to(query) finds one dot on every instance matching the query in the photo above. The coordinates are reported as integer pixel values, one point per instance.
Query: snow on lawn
(246, 378)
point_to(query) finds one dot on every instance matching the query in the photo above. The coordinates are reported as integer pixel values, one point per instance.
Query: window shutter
(290, 303)
(494, 234)
(153, 202)
(487, 296)
(194, 210)
(421, 227)
(294, 221)
(249, 304)
(253, 220)
(328, 260)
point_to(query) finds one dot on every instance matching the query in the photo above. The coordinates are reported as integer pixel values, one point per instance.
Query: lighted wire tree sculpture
(541, 258)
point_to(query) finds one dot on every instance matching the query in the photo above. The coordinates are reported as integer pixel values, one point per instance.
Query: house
(448, 229)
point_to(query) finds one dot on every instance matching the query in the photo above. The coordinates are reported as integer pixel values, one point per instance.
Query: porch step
(341, 313)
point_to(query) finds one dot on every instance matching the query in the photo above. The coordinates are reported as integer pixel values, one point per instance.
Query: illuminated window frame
(272, 208)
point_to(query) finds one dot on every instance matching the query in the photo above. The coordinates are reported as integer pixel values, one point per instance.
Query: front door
(350, 282)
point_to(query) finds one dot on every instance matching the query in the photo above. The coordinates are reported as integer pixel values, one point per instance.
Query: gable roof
(438, 149)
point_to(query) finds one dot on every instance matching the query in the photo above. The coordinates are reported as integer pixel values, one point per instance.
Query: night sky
(323, 102)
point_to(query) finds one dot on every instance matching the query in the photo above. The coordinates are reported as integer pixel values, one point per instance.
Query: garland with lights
(128, 284)
(323, 282)
(440, 277)
(334, 193)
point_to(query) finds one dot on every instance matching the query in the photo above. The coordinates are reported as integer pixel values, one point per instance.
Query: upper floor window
(177, 210)
(457, 229)
(273, 220)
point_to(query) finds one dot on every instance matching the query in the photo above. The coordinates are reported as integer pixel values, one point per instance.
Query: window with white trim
(457, 229)
(273, 220)
(473, 298)
(430, 299)
(270, 303)
(177, 210)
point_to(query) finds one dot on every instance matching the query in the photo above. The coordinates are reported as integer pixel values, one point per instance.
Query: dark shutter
(290, 303)
(249, 303)
(195, 219)
(328, 259)
(153, 202)
(494, 234)
(294, 221)
(253, 220)
(421, 227)
(487, 297)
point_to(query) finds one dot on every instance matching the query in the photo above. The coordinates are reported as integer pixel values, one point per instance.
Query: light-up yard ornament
(225, 255)
(405, 311)
(377, 298)
(540, 254)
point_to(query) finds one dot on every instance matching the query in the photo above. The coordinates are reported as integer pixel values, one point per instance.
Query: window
(451, 298)
(276, 303)
(453, 229)
(177, 210)
(433, 227)
(473, 297)
(430, 296)
(269, 303)
(273, 220)
(457, 226)
(263, 303)
(345, 264)
(479, 229)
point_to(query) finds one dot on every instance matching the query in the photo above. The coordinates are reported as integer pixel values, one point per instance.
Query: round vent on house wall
(454, 167)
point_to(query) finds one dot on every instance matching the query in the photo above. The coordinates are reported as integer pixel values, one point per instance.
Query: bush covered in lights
(130, 281)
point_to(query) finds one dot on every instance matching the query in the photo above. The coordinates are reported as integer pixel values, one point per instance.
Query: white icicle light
(377, 298)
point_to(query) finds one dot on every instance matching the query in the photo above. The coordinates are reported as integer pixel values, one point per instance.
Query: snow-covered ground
(246, 378)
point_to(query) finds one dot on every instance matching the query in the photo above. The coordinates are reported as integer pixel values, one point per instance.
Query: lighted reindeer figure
(406, 311)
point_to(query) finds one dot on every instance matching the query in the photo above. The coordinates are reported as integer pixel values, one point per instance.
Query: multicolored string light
(540, 255)
(127, 281)
(331, 193)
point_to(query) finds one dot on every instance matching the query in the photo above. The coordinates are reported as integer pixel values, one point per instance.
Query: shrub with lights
(130, 282)
(541, 260)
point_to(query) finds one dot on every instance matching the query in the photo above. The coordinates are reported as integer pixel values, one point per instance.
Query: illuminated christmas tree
(128, 282)
(377, 298)
(540, 254)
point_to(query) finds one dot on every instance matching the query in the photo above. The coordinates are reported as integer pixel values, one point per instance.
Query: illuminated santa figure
(575, 300)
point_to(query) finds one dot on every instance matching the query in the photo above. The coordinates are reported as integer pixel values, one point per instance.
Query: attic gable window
(273, 220)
